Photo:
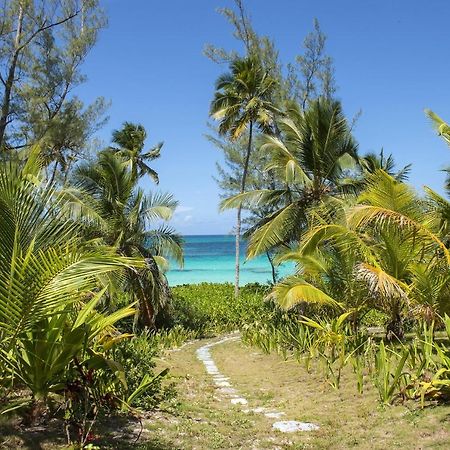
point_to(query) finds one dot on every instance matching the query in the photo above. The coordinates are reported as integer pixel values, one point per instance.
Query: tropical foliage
(243, 101)
(131, 139)
(119, 213)
(85, 305)
(76, 262)
(309, 159)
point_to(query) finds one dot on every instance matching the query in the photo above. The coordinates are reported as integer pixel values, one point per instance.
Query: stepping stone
(222, 383)
(239, 401)
(259, 410)
(227, 390)
(291, 426)
(220, 378)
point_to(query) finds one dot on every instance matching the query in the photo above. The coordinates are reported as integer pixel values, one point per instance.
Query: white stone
(259, 410)
(227, 390)
(290, 426)
(222, 383)
(239, 401)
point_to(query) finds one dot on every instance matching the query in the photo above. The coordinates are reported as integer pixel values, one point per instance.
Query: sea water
(212, 259)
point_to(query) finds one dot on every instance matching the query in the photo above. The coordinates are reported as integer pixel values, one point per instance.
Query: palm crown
(243, 96)
(131, 139)
(122, 216)
(308, 159)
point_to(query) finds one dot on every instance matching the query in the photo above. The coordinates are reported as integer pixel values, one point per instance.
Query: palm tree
(119, 213)
(309, 159)
(51, 279)
(242, 102)
(372, 162)
(443, 130)
(45, 261)
(131, 139)
(395, 249)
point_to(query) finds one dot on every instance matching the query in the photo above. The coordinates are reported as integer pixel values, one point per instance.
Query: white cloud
(183, 209)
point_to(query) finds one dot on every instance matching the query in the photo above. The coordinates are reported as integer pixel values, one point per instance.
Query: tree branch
(45, 27)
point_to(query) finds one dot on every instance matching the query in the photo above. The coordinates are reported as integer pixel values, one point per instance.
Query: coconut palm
(243, 102)
(443, 130)
(119, 213)
(309, 159)
(45, 261)
(397, 253)
(51, 279)
(372, 162)
(131, 139)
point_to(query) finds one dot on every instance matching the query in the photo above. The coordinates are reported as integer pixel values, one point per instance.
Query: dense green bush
(210, 308)
(137, 356)
(374, 318)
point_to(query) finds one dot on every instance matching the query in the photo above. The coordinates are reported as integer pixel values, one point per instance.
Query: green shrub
(210, 308)
(375, 318)
(137, 356)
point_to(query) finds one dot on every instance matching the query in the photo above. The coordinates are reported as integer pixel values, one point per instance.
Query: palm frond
(252, 198)
(294, 290)
(280, 228)
(380, 283)
(442, 128)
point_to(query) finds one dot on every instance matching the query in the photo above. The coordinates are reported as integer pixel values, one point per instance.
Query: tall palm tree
(309, 159)
(243, 102)
(131, 139)
(119, 213)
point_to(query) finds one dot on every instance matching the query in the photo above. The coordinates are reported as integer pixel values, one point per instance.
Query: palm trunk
(274, 272)
(239, 211)
(6, 105)
(147, 314)
(394, 329)
(238, 249)
(52, 178)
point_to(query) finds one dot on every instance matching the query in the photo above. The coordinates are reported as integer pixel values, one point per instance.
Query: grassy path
(205, 419)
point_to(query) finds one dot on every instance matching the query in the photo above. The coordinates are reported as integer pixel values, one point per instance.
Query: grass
(347, 419)
(203, 420)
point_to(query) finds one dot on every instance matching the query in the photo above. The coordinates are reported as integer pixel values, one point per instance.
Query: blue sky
(392, 60)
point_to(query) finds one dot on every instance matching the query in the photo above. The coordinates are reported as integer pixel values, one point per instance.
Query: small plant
(144, 388)
(390, 375)
(435, 385)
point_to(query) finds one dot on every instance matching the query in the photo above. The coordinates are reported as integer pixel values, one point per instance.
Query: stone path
(225, 389)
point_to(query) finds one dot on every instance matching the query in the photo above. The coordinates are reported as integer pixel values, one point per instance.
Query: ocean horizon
(211, 258)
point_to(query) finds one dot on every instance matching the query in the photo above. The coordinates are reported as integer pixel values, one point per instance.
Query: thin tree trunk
(274, 272)
(67, 171)
(52, 178)
(394, 329)
(238, 250)
(10, 78)
(239, 211)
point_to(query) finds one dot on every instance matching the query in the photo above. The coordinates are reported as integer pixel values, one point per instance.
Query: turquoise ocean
(211, 259)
